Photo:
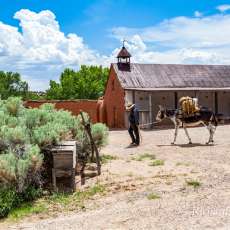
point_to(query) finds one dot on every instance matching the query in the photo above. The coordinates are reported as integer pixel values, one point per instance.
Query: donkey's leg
(186, 132)
(211, 133)
(207, 126)
(175, 134)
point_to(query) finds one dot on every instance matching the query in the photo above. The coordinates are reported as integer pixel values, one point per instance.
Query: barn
(150, 85)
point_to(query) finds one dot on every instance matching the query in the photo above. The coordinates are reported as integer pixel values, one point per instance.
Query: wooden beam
(150, 109)
(133, 95)
(176, 99)
(216, 102)
(87, 126)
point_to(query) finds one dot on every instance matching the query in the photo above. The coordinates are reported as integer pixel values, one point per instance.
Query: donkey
(204, 117)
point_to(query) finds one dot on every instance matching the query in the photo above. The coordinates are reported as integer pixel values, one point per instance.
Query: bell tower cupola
(123, 58)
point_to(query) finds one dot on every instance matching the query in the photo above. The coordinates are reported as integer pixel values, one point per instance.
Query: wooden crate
(64, 163)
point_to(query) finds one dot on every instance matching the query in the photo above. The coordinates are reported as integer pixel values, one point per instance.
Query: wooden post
(54, 180)
(150, 110)
(133, 95)
(82, 173)
(216, 102)
(73, 184)
(176, 99)
(93, 145)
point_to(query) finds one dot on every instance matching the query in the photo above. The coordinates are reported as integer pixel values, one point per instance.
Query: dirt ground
(130, 182)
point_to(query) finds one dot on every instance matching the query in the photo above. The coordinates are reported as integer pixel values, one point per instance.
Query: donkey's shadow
(187, 145)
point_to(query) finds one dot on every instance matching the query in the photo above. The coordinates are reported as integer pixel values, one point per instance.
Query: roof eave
(179, 89)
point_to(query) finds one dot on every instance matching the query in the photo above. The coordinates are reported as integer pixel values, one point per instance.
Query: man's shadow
(131, 146)
(187, 145)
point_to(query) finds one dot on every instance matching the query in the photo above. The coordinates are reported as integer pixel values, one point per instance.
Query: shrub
(25, 134)
(8, 200)
(20, 171)
(100, 134)
(31, 193)
(13, 105)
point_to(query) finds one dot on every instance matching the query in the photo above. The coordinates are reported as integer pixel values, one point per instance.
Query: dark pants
(134, 134)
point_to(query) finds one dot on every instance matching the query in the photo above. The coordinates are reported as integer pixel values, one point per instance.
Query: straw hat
(129, 106)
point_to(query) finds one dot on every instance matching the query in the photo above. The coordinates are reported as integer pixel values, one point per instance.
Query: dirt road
(188, 188)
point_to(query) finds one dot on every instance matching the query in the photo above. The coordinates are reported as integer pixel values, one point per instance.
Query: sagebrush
(25, 133)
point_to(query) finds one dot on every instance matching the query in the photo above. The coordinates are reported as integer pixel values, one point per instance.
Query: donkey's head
(161, 113)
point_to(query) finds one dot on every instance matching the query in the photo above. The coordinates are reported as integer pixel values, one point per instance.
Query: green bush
(25, 134)
(13, 105)
(100, 134)
(8, 200)
(31, 193)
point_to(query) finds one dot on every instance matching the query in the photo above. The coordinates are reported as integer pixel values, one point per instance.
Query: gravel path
(129, 182)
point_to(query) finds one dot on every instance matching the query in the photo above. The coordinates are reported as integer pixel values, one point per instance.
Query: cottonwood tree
(87, 83)
(12, 85)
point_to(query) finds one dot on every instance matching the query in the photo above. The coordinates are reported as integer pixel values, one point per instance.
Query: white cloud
(41, 51)
(203, 40)
(223, 8)
(198, 14)
(184, 31)
(141, 53)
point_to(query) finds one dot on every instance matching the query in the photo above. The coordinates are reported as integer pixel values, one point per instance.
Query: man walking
(133, 124)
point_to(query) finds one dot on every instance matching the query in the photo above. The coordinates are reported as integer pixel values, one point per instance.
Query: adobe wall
(74, 106)
(114, 102)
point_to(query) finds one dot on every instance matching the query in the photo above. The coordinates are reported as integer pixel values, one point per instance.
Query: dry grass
(153, 196)
(193, 183)
(157, 163)
(145, 156)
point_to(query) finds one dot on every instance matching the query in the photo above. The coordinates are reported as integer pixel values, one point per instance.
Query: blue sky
(39, 38)
(93, 19)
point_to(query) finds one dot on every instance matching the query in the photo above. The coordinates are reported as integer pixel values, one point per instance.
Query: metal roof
(124, 53)
(173, 76)
(180, 89)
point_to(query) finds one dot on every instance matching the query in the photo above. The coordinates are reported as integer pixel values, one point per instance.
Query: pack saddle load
(189, 106)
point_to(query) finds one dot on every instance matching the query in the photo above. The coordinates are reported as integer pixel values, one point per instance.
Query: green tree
(87, 83)
(12, 85)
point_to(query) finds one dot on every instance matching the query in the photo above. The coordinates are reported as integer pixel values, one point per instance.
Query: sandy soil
(129, 182)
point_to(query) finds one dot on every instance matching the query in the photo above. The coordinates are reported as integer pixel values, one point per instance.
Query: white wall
(142, 100)
(128, 97)
(207, 99)
(167, 99)
(224, 103)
